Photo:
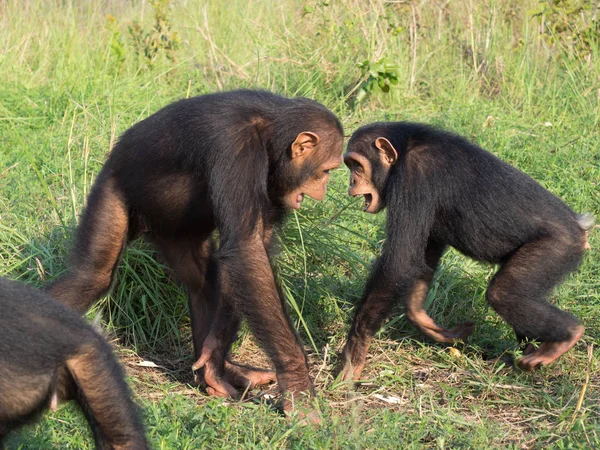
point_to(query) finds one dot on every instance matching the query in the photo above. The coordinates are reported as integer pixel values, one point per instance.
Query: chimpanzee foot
(243, 376)
(215, 381)
(351, 372)
(297, 400)
(441, 334)
(427, 325)
(549, 352)
(210, 370)
(460, 331)
(223, 378)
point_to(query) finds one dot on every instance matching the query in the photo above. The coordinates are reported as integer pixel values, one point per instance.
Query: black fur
(444, 190)
(215, 162)
(234, 146)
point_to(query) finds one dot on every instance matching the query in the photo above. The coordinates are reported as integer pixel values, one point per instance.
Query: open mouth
(368, 199)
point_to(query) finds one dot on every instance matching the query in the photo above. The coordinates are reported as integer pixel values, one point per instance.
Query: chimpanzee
(50, 354)
(441, 190)
(233, 162)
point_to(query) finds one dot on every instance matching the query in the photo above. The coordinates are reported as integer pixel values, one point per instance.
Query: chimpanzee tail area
(49, 354)
(441, 190)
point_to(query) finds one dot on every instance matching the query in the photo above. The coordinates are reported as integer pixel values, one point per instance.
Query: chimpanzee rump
(235, 162)
(49, 354)
(441, 190)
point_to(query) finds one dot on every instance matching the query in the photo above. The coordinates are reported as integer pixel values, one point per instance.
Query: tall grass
(477, 67)
(72, 80)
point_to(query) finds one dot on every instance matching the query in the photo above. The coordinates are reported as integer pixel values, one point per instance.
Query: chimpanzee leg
(384, 288)
(223, 334)
(192, 263)
(99, 242)
(104, 397)
(416, 299)
(519, 290)
(372, 311)
(378, 302)
(247, 277)
(214, 326)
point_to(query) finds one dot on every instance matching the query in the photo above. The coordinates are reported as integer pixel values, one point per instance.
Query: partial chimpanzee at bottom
(49, 354)
(441, 190)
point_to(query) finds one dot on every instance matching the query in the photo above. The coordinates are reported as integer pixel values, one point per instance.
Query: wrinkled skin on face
(362, 171)
(319, 156)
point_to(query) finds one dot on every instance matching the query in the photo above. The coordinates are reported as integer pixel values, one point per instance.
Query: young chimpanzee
(440, 190)
(232, 162)
(50, 354)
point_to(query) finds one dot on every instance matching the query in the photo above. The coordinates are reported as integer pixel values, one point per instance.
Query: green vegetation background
(521, 78)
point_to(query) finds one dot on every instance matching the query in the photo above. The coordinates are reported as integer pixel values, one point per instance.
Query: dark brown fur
(49, 354)
(441, 190)
(216, 162)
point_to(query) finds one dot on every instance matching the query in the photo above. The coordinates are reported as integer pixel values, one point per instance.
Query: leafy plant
(393, 25)
(380, 77)
(309, 9)
(160, 39)
(116, 44)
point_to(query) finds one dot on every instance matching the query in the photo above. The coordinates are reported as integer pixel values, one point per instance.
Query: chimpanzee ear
(388, 153)
(304, 144)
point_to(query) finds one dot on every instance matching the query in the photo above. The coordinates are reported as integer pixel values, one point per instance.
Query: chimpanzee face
(315, 157)
(364, 158)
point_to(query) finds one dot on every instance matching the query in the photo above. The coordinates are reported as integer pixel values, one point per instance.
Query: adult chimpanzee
(439, 190)
(49, 354)
(235, 162)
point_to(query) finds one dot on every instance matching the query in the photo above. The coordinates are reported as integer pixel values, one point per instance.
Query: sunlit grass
(478, 68)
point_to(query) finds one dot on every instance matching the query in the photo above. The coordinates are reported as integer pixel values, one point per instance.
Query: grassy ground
(72, 79)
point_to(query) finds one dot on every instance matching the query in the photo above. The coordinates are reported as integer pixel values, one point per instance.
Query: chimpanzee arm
(246, 272)
(242, 211)
(396, 274)
(387, 285)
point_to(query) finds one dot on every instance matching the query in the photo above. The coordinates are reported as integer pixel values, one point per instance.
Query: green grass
(71, 82)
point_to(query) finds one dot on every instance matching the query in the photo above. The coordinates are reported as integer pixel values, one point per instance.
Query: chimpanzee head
(369, 156)
(314, 147)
